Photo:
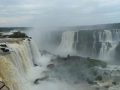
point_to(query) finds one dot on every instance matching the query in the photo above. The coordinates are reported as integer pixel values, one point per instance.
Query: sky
(34, 13)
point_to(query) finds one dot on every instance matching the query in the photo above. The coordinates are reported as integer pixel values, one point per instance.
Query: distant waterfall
(67, 40)
(77, 37)
(14, 66)
(77, 40)
(110, 40)
(94, 43)
(105, 36)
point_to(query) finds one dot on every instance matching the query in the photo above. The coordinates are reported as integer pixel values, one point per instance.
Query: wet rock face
(41, 79)
(17, 34)
(99, 78)
(86, 42)
(35, 64)
(114, 83)
(50, 66)
(4, 49)
(44, 52)
(3, 45)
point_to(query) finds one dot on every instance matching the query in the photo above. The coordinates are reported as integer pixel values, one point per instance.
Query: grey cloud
(57, 12)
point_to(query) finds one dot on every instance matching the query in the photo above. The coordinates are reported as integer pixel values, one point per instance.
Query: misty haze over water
(60, 45)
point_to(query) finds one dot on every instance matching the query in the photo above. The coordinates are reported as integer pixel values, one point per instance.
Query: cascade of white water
(108, 37)
(109, 40)
(107, 50)
(28, 48)
(105, 36)
(9, 74)
(15, 66)
(117, 36)
(17, 63)
(77, 36)
(66, 45)
(77, 40)
(94, 42)
(100, 39)
(67, 40)
(35, 53)
(23, 54)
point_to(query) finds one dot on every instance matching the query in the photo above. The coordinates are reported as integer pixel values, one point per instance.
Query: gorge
(25, 67)
(99, 43)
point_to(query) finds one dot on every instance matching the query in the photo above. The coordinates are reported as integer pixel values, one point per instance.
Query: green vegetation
(79, 68)
(18, 35)
(14, 35)
(98, 78)
(89, 81)
(106, 87)
(114, 83)
(87, 61)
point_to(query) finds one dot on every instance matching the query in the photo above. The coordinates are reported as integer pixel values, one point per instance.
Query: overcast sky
(58, 12)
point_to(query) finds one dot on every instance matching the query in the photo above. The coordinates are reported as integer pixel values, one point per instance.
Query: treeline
(17, 34)
(92, 27)
(6, 29)
(102, 26)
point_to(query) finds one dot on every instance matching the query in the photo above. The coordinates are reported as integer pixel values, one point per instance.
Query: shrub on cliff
(18, 35)
(98, 78)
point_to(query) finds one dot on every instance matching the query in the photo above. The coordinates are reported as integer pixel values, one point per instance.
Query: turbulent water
(66, 45)
(67, 40)
(24, 64)
(15, 66)
(109, 40)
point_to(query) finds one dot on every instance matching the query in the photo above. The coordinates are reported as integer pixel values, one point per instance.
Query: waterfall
(21, 49)
(67, 43)
(109, 40)
(105, 36)
(77, 36)
(35, 52)
(15, 66)
(76, 40)
(94, 43)
(108, 37)
(67, 40)
(107, 50)
(9, 74)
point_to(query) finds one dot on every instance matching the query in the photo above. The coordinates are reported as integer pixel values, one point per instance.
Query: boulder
(5, 50)
(40, 79)
(3, 45)
(50, 66)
